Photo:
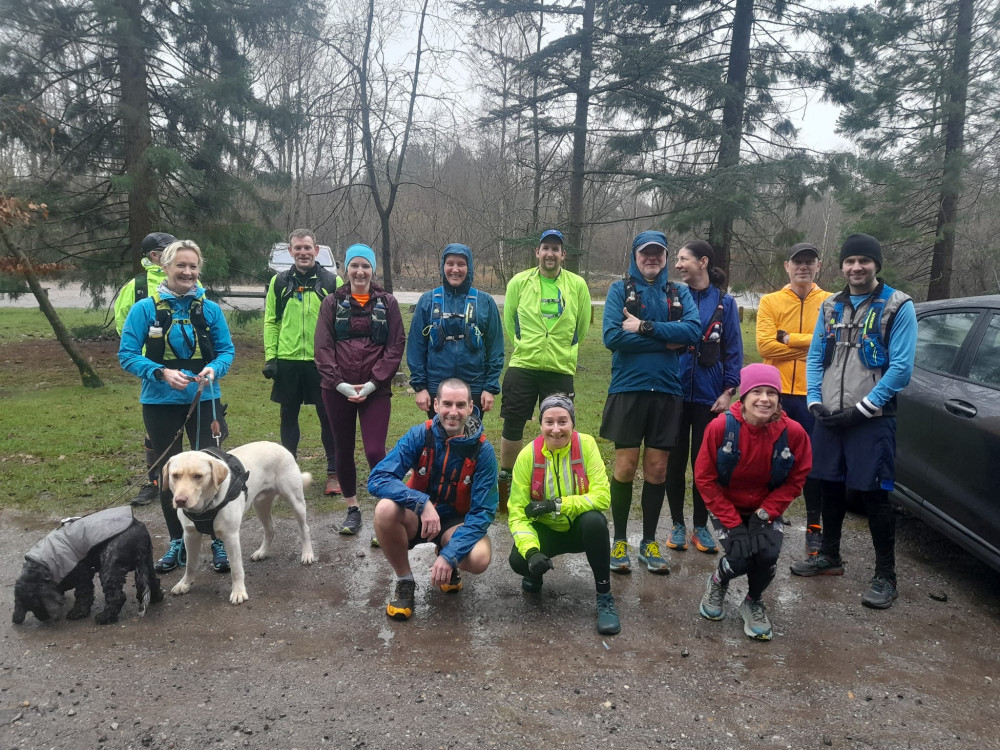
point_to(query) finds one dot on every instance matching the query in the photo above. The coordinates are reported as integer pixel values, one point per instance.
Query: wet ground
(312, 661)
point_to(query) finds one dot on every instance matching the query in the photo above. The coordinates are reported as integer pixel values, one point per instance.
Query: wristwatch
(762, 515)
(159, 374)
(558, 505)
(645, 328)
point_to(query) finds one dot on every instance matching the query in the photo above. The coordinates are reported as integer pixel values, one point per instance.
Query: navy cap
(156, 241)
(551, 233)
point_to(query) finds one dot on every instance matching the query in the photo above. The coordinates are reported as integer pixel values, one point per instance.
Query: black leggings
(588, 533)
(290, 432)
(694, 420)
(881, 524)
(162, 423)
(759, 567)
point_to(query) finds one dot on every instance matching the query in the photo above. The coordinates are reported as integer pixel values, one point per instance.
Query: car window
(986, 361)
(940, 337)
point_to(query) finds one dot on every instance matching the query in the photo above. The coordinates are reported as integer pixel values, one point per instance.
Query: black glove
(736, 542)
(765, 537)
(538, 564)
(270, 368)
(844, 418)
(819, 411)
(537, 508)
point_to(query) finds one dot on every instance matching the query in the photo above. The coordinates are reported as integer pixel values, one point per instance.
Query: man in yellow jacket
(785, 323)
(546, 314)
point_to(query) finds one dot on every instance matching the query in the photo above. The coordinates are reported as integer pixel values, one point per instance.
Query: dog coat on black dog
(111, 543)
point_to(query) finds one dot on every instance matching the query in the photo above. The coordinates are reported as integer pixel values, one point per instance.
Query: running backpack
(728, 455)
(575, 462)
(421, 477)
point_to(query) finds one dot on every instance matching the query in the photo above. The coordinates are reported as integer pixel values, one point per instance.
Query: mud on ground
(312, 661)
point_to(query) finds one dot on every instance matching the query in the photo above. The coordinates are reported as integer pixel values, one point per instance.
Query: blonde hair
(175, 247)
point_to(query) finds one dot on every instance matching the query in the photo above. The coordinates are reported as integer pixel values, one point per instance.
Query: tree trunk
(574, 234)
(720, 233)
(954, 141)
(90, 378)
(136, 134)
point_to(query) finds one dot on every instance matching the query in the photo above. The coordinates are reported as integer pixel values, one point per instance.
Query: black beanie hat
(862, 244)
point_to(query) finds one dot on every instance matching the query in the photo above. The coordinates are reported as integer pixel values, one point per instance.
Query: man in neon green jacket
(291, 310)
(138, 288)
(546, 315)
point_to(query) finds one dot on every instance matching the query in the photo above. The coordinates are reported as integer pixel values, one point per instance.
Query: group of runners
(816, 417)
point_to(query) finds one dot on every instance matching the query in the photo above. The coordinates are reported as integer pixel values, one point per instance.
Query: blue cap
(360, 251)
(650, 237)
(551, 233)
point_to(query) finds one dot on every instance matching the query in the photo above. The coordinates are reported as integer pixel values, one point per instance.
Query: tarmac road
(312, 661)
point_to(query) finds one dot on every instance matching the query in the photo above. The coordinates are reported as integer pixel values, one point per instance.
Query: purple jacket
(358, 360)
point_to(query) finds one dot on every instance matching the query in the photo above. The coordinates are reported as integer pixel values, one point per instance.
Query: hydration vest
(582, 484)
(633, 302)
(421, 477)
(378, 327)
(285, 286)
(141, 286)
(708, 351)
(439, 331)
(870, 344)
(157, 341)
(728, 455)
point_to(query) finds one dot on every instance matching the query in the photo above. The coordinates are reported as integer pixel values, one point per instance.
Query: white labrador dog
(199, 483)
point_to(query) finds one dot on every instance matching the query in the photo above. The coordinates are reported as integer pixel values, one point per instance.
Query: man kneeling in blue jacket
(450, 499)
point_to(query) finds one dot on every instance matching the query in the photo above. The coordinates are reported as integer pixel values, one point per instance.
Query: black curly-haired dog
(110, 543)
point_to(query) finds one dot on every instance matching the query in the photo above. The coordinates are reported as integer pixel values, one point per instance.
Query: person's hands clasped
(537, 508)
(736, 542)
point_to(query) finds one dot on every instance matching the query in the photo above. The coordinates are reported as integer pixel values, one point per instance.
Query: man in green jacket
(138, 288)
(546, 315)
(290, 313)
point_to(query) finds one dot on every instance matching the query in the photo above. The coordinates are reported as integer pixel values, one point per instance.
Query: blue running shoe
(220, 560)
(175, 557)
(649, 553)
(620, 562)
(713, 602)
(755, 621)
(678, 537)
(701, 538)
(608, 622)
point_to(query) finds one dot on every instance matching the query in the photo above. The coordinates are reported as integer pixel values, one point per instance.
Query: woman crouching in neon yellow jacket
(559, 492)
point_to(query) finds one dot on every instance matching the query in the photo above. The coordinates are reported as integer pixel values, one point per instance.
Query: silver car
(948, 428)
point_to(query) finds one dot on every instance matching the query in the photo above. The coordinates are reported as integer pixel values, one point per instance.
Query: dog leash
(130, 488)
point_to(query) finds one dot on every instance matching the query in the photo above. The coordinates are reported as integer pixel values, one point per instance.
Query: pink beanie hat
(758, 374)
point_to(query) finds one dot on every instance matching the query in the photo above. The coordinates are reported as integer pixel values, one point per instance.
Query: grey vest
(847, 380)
(63, 549)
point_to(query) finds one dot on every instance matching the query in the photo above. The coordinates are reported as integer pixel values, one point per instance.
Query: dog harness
(204, 522)
(421, 478)
(728, 455)
(575, 462)
(63, 549)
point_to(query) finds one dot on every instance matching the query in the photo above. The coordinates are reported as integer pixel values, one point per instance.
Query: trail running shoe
(147, 494)
(701, 538)
(649, 553)
(175, 557)
(818, 565)
(814, 538)
(220, 560)
(755, 622)
(881, 594)
(678, 537)
(620, 562)
(455, 584)
(352, 522)
(531, 585)
(608, 622)
(713, 603)
(332, 484)
(401, 608)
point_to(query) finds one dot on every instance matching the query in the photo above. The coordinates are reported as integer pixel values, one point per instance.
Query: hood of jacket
(456, 248)
(165, 294)
(641, 239)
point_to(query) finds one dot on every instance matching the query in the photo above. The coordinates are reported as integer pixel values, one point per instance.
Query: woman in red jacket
(752, 465)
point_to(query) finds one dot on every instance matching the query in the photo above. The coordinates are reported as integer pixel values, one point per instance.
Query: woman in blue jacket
(710, 377)
(173, 341)
(456, 332)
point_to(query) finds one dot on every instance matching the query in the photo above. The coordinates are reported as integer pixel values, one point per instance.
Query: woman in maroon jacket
(751, 466)
(358, 347)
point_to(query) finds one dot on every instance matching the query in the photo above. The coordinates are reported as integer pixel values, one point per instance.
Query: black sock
(603, 587)
(652, 504)
(621, 502)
